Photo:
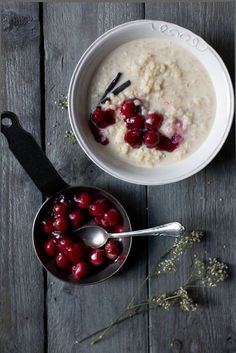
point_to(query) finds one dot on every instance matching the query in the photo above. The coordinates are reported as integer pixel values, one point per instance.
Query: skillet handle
(31, 156)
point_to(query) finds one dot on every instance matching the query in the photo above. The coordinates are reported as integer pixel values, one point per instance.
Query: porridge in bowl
(158, 109)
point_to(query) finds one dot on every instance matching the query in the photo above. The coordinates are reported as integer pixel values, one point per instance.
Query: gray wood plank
(21, 284)
(74, 311)
(205, 200)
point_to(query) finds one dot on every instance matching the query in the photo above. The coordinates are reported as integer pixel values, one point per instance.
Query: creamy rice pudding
(164, 113)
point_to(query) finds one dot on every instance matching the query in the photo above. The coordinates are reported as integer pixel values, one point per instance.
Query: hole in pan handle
(31, 156)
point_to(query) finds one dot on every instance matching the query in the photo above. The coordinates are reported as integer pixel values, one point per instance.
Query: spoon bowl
(95, 236)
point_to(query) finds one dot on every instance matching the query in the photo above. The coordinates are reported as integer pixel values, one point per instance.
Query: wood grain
(48, 316)
(21, 276)
(74, 311)
(206, 201)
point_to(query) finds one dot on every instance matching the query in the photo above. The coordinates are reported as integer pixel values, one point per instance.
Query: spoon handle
(173, 229)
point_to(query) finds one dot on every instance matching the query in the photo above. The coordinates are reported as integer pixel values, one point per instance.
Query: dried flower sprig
(187, 240)
(180, 297)
(204, 274)
(166, 300)
(207, 273)
(185, 302)
(214, 273)
(167, 261)
(166, 266)
(181, 244)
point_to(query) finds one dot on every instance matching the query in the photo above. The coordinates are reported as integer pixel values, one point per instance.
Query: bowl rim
(109, 169)
(110, 196)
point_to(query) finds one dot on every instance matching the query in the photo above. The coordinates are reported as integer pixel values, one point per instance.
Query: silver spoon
(95, 236)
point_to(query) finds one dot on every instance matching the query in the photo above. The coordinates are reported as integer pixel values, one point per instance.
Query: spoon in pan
(95, 236)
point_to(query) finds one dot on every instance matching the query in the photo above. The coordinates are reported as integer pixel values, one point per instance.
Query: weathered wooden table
(41, 45)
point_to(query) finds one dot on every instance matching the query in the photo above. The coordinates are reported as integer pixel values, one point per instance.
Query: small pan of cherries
(66, 209)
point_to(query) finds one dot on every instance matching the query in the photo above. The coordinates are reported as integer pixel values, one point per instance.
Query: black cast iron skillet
(49, 182)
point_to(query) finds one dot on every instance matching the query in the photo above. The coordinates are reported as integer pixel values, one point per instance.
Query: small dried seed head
(166, 266)
(162, 301)
(62, 102)
(185, 302)
(215, 272)
(187, 240)
(70, 135)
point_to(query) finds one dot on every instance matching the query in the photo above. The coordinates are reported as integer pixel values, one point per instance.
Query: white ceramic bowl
(79, 114)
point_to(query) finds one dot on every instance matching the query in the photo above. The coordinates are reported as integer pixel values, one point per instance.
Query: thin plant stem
(135, 306)
(172, 297)
(129, 316)
(151, 274)
(129, 306)
(108, 328)
(138, 290)
(192, 286)
(117, 321)
(133, 309)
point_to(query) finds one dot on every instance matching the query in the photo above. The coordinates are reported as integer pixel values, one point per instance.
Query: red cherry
(84, 199)
(169, 145)
(81, 270)
(165, 144)
(60, 209)
(128, 108)
(177, 139)
(99, 117)
(136, 122)
(62, 261)
(48, 227)
(110, 115)
(64, 243)
(97, 257)
(133, 138)
(76, 252)
(98, 221)
(111, 217)
(97, 133)
(77, 218)
(56, 235)
(61, 224)
(104, 223)
(66, 201)
(91, 222)
(154, 121)
(112, 249)
(151, 138)
(50, 247)
(117, 229)
(99, 207)
(103, 118)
